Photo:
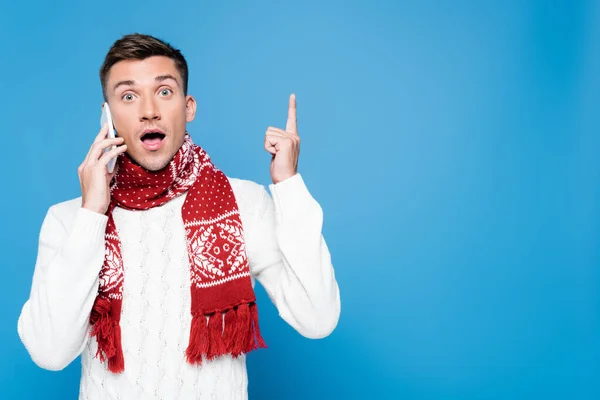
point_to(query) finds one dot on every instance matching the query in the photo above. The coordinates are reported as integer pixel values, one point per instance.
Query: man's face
(149, 109)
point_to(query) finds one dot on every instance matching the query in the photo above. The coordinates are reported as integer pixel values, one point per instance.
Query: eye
(165, 92)
(128, 97)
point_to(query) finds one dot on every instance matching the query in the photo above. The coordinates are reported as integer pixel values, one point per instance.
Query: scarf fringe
(108, 334)
(260, 342)
(216, 344)
(234, 332)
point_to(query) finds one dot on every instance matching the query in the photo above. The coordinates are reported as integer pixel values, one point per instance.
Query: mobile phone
(106, 118)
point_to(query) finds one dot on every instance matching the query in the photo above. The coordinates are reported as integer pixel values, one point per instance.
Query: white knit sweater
(286, 252)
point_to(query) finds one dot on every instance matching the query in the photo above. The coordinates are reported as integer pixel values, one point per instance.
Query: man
(149, 275)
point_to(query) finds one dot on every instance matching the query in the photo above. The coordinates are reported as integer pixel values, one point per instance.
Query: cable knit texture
(287, 255)
(156, 319)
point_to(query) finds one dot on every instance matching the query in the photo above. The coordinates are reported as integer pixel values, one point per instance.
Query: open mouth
(152, 140)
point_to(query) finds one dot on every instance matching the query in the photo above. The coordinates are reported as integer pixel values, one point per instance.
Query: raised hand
(284, 145)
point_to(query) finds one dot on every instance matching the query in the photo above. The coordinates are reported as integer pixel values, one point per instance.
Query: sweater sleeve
(289, 257)
(53, 324)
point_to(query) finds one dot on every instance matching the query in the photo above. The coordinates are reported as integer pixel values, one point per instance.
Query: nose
(150, 111)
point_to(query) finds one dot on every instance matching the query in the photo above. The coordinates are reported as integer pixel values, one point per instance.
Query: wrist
(94, 208)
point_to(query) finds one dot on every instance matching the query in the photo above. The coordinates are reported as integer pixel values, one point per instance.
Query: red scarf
(224, 313)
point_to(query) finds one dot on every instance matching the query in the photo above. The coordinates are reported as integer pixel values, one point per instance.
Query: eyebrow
(160, 78)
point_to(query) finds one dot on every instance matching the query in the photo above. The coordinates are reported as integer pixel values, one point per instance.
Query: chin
(155, 165)
(152, 164)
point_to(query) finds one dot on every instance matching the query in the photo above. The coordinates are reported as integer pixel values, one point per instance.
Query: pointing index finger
(292, 125)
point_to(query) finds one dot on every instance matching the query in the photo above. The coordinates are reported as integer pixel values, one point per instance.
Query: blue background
(452, 145)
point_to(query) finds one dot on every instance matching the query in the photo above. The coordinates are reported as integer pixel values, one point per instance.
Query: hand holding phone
(94, 172)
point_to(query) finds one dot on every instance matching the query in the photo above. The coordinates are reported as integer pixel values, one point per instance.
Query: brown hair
(137, 46)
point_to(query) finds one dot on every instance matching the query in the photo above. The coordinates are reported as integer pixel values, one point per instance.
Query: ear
(190, 108)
